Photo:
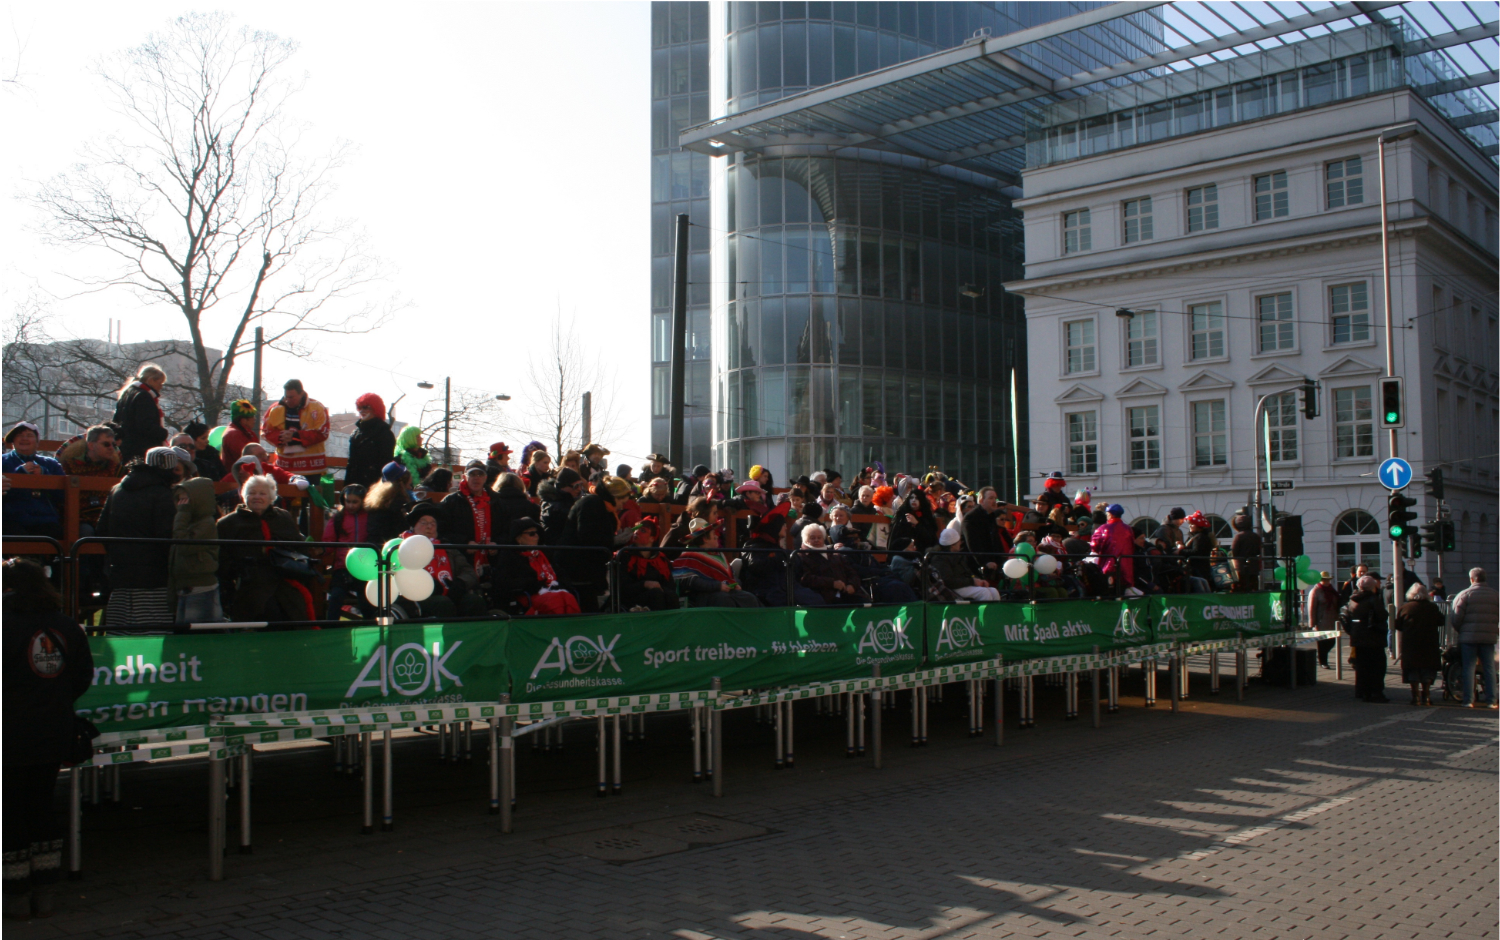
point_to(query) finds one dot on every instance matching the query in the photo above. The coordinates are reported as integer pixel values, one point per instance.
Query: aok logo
(1129, 626)
(885, 636)
(409, 669)
(1278, 608)
(1173, 620)
(959, 633)
(578, 655)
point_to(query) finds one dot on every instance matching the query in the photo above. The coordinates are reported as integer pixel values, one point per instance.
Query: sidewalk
(1294, 813)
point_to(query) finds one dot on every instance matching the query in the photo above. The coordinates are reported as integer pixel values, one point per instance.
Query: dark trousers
(1324, 646)
(1369, 672)
(32, 836)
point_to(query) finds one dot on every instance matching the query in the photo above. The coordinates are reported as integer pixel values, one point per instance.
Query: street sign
(1395, 473)
(1278, 484)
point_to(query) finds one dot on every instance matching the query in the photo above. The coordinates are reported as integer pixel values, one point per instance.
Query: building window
(1344, 182)
(1221, 530)
(1140, 339)
(1281, 415)
(1210, 434)
(1145, 437)
(1137, 219)
(1356, 541)
(1270, 196)
(1274, 313)
(1083, 443)
(1203, 208)
(1080, 346)
(1208, 330)
(1076, 233)
(1349, 305)
(1353, 422)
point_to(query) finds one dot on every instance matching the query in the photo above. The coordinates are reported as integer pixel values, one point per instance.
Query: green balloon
(1026, 550)
(1281, 572)
(216, 436)
(1304, 563)
(361, 563)
(389, 551)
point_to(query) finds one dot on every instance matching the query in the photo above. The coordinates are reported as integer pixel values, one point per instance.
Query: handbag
(1221, 575)
(292, 564)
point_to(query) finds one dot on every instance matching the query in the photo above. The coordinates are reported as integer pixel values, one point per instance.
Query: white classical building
(1240, 226)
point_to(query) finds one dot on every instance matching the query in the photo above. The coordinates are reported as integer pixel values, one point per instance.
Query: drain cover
(618, 844)
(700, 830)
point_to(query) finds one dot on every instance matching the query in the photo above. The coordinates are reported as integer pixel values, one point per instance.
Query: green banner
(966, 633)
(1187, 617)
(165, 681)
(674, 651)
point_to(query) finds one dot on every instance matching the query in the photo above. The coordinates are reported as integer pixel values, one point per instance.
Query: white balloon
(392, 590)
(1045, 564)
(414, 583)
(415, 552)
(1016, 568)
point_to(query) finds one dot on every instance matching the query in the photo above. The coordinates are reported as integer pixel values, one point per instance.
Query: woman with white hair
(138, 412)
(1419, 622)
(1364, 619)
(821, 569)
(260, 583)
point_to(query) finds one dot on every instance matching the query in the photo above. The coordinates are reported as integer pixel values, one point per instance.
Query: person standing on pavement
(1364, 619)
(47, 667)
(1476, 617)
(1419, 621)
(1323, 613)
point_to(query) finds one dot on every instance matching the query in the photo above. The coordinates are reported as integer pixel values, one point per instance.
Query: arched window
(1356, 541)
(1221, 530)
(1145, 525)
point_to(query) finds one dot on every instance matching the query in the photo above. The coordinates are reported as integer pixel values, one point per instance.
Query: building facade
(1198, 251)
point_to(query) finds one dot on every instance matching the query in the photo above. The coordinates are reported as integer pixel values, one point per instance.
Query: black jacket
(140, 423)
(1364, 619)
(1197, 549)
(590, 524)
(140, 506)
(371, 447)
(764, 573)
(981, 532)
(209, 465)
(505, 509)
(456, 524)
(819, 570)
(47, 667)
(556, 505)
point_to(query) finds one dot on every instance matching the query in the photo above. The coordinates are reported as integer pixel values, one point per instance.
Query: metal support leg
(1094, 695)
(75, 824)
(777, 710)
(1240, 658)
(507, 774)
(388, 819)
(603, 786)
(114, 781)
(1213, 673)
(999, 692)
(245, 773)
(366, 747)
(916, 715)
(1291, 663)
(979, 708)
(494, 735)
(1338, 656)
(1174, 671)
(875, 721)
(617, 784)
(216, 797)
(695, 716)
(1114, 689)
(859, 723)
(1149, 668)
(1070, 689)
(847, 705)
(468, 742)
(1184, 675)
(716, 734)
(926, 696)
(791, 736)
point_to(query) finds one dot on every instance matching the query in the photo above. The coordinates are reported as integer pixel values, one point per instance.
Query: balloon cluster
(1304, 573)
(1027, 560)
(407, 559)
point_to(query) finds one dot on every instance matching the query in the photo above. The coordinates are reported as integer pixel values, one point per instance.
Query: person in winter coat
(455, 590)
(206, 458)
(1198, 549)
(645, 575)
(1419, 622)
(94, 453)
(497, 464)
(48, 666)
(348, 523)
(591, 530)
(1246, 549)
(525, 580)
(823, 570)
(557, 497)
(138, 412)
(30, 512)
(703, 573)
(244, 428)
(1323, 613)
(468, 516)
(257, 582)
(764, 572)
(193, 570)
(142, 505)
(372, 445)
(981, 530)
(388, 503)
(1364, 619)
(1114, 543)
(297, 426)
(958, 572)
(1476, 617)
(508, 503)
(914, 521)
(411, 454)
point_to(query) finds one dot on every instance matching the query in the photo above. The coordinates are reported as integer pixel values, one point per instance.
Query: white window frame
(1089, 364)
(1194, 433)
(1138, 213)
(1353, 422)
(1086, 447)
(1288, 323)
(1149, 323)
(1276, 208)
(1144, 449)
(1222, 329)
(1359, 541)
(1207, 207)
(1282, 412)
(1077, 225)
(1342, 186)
(1352, 312)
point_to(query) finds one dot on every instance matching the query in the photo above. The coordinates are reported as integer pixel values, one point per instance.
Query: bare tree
(556, 379)
(205, 203)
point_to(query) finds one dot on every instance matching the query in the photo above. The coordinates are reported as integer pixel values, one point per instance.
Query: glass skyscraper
(853, 300)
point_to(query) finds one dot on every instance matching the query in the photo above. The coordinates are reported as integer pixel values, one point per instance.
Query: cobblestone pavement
(1297, 813)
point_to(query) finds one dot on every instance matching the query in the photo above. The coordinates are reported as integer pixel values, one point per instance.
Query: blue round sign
(1394, 473)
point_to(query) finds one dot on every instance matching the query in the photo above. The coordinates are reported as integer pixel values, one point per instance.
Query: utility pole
(1398, 576)
(588, 419)
(260, 339)
(447, 420)
(676, 444)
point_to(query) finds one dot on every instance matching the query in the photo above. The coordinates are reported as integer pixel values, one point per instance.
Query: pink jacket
(1114, 543)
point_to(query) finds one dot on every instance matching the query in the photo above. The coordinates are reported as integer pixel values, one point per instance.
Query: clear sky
(501, 173)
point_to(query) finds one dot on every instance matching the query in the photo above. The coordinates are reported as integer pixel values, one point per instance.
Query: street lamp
(448, 413)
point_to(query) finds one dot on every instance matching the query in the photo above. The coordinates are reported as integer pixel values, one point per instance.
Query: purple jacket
(1114, 543)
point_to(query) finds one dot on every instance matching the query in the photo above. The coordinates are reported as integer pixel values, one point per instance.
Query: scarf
(648, 568)
(537, 559)
(705, 564)
(155, 400)
(481, 510)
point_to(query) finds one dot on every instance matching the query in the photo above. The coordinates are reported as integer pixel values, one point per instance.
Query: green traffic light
(1398, 531)
(1392, 417)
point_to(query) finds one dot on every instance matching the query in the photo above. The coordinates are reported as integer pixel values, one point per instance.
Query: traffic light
(1447, 536)
(1432, 536)
(1309, 399)
(1399, 516)
(1392, 402)
(1413, 548)
(1288, 536)
(1435, 482)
